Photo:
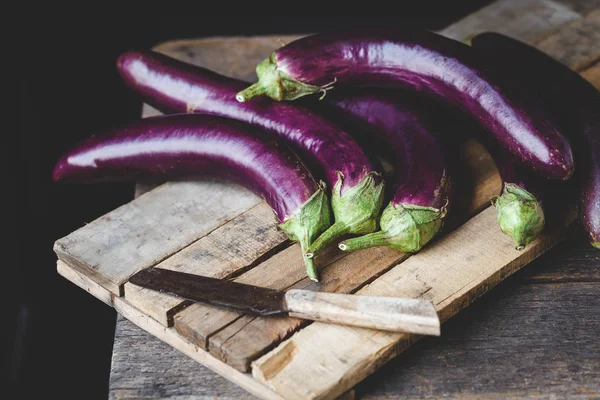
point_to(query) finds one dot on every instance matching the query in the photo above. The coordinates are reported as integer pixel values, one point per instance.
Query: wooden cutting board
(222, 230)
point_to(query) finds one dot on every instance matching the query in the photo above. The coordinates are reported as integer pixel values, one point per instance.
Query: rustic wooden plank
(167, 335)
(84, 282)
(249, 337)
(199, 321)
(323, 360)
(139, 364)
(581, 6)
(235, 56)
(577, 44)
(574, 260)
(523, 19)
(592, 74)
(140, 360)
(237, 245)
(481, 356)
(143, 232)
(171, 337)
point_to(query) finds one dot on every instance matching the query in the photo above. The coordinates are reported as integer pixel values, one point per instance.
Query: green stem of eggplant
(250, 92)
(329, 236)
(374, 239)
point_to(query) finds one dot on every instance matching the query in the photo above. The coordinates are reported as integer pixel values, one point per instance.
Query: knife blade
(386, 313)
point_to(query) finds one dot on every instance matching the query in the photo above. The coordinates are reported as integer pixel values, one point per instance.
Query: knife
(385, 313)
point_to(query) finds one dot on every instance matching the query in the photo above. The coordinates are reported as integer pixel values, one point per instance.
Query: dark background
(59, 337)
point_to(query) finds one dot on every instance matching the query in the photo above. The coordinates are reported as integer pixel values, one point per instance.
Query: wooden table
(534, 336)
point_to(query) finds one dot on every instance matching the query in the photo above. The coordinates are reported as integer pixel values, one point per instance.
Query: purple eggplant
(401, 125)
(424, 62)
(174, 86)
(574, 101)
(188, 146)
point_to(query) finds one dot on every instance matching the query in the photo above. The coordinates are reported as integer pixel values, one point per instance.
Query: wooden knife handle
(386, 313)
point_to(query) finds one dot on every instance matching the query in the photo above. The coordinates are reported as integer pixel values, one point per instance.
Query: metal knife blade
(387, 313)
(218, 292)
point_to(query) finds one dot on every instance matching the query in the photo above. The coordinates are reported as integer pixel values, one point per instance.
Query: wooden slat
(577, 44)
(523, 19)
(581, 6)
(231, 56)
(167, 335)
(592, 74)
(143, 232)
(343, 356)
(248, 337)
(323, 360)
(488, 354)
(232, 247)
(199, 322)
(478, 346)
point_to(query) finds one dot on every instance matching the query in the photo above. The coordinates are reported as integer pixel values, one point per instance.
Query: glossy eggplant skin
(574, 101)
(182, 146)
(191, 146)
(400, 125)
(355, 182)
(173, 86)
(427, 63)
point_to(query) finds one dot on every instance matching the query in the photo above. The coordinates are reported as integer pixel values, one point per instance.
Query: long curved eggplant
(574, 101)
(187, 145)
(402, 125)
(424, 62)
(174, 86)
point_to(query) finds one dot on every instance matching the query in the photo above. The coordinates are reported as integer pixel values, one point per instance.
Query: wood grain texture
(139, 364)
(592, 74)
(471, 346)
(143, 232)
(249, 337)
(523, 19)
(386, 313)
(199, 321)
(151, 329)
(577, 44)
(231, 56)
(536, 355)
(581, 6)
(234, 246)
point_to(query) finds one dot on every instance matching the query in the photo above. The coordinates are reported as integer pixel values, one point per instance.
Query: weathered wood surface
(523, 19)
(237, 245)
(143, 232)
(592, 74)
(577, 45)
(484, 352)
